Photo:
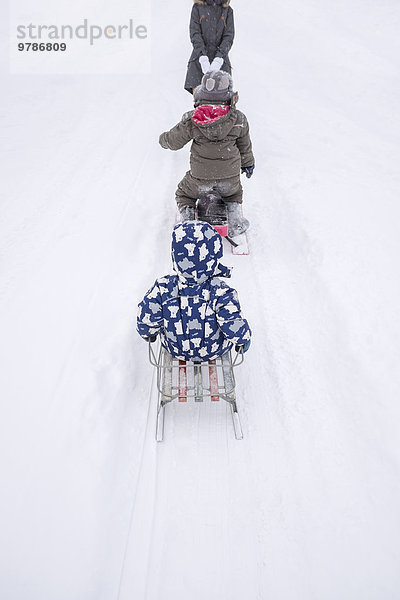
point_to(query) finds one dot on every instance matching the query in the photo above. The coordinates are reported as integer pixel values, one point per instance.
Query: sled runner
(185, 380)
(240, 245)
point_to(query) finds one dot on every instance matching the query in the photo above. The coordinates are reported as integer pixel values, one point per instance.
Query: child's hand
(243, 348)
(248, 171)
(204, 63)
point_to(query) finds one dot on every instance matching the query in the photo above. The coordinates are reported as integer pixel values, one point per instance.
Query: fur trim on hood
(224, 5)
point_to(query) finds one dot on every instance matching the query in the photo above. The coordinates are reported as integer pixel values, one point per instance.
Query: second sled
(184, 381)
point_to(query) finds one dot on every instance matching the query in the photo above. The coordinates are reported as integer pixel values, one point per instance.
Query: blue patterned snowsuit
(196, 313)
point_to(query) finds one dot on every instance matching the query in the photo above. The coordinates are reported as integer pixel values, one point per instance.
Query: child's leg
(186, 198)
(230, 189)
(232, 194)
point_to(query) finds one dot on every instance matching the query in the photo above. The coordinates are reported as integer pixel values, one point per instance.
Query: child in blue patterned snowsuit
(196, 314)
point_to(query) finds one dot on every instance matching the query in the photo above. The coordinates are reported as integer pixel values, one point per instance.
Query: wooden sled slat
(182, 381)
(213, 373)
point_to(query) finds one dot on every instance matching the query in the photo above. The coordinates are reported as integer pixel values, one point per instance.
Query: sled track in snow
(145, 446)
(104, 273)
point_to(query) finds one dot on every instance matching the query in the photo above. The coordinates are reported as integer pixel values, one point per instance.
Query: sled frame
(186, 380)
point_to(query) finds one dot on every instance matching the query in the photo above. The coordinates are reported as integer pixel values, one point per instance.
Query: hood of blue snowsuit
(196, 252)
(196, 313)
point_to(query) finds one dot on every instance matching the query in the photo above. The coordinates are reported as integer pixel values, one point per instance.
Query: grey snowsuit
(212, 31)
(219, 149)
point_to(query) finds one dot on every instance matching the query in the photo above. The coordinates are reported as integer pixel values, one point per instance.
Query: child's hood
(196, 252)
(214, 120)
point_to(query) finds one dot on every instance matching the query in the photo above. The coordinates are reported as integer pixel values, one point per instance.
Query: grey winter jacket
(219, 149)
(212, 31)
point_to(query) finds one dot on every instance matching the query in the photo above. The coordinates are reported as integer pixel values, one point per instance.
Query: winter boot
(237, 223)
(187, 213)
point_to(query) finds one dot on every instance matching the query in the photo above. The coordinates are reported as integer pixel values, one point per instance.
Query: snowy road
(306, 506)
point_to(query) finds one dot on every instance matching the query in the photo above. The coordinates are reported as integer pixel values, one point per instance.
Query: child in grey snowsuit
(221, 149)
(196, 314)
(212, 31)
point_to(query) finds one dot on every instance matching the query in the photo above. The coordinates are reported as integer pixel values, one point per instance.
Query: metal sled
(185, 380)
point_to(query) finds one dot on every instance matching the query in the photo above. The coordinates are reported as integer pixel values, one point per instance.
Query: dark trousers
(190, 189)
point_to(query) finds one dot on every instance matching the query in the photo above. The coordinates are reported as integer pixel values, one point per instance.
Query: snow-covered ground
(307, 505)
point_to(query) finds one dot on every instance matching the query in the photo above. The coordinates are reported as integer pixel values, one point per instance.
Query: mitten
(204, 63)
(248, 171)
(243, 348)
(216, 63)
